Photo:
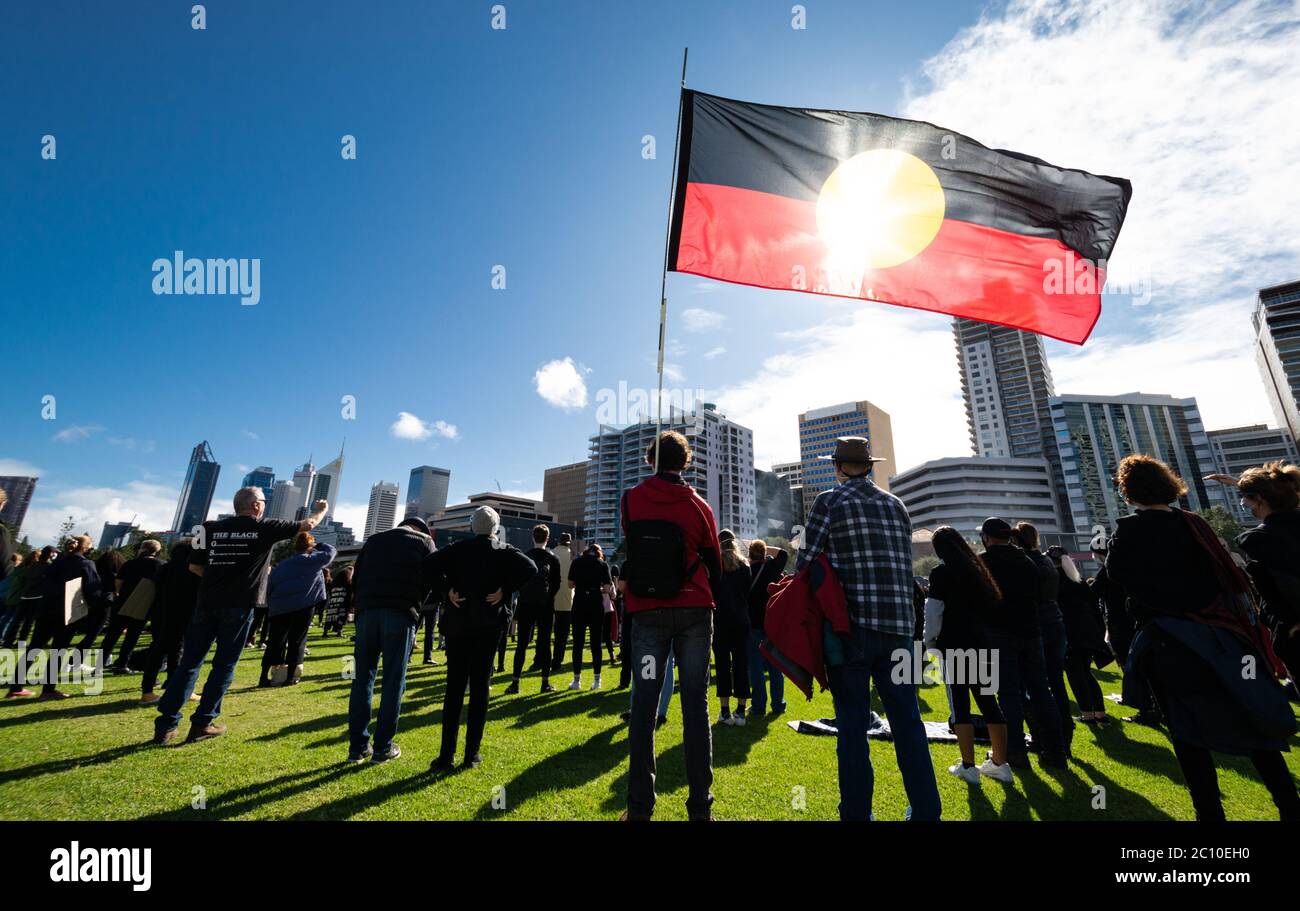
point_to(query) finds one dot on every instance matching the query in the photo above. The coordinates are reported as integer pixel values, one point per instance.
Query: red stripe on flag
(769, 241)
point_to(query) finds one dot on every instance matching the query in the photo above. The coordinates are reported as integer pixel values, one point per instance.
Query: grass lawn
(559, 756)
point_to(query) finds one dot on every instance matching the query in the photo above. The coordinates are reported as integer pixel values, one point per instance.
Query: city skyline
(362, 246)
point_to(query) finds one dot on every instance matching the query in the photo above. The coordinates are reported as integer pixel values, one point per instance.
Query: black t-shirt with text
(235, 559)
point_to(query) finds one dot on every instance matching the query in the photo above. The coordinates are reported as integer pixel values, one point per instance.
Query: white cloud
(715, 352)
(698, 320)
(900, 360)
(353, 515)
(560, 383)
(1194, 103)
(1191, 352)
(250, 434)
(409, 427)
(151, 505)
(526, 494)
(19, 468)
(76, 432)
(145, 447)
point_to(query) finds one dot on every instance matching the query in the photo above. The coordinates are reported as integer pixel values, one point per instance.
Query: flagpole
(663, 277)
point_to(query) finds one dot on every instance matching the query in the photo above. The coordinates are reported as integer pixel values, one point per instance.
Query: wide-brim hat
(851, 449)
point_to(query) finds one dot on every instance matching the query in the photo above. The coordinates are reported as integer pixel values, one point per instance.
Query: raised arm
(318, 513)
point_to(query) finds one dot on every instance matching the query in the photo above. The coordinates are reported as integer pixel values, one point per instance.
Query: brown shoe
(164, 738)
(626, 817)
(206, 732)
(150, 698)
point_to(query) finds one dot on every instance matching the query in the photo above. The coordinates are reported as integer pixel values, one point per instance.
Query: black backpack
(656, 557)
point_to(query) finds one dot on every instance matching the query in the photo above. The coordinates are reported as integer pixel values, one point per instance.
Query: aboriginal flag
(897, 211)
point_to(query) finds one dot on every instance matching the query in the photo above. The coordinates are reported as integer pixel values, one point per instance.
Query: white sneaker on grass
(1001, 773)
(576, 684)
(595, 684)
(738, 718)
(970, 776)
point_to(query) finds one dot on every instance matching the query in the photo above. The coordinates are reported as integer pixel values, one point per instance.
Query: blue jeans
(1022, 669)
(388, 633)
(665, 694)
(228, 628)
(758, 666)
(868, 655)
(687, 632)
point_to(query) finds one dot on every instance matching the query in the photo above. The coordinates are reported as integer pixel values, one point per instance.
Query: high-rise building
(966, 490)
(325, 486)
(1237, 448)
(775, 506)
(303, 479)
(262, 476)
(792, 474)
(564, 490)
(333, 533)
(426, 492)
(1277, 349)
(1094, 432)
(18, 489)
(1006, 382)
(116, 534)
(721, 470)
(821, 427)
(381, 515)
(285, 500)
(196, 493)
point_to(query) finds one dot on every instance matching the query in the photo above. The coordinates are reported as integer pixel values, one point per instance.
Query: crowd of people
(1207, 638)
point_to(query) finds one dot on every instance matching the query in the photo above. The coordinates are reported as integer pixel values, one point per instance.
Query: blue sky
(476, 147)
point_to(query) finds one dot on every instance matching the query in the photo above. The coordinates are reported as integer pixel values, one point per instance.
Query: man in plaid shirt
(866, 535)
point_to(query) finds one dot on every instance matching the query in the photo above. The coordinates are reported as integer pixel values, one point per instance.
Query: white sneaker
(970, 776)
(595, 684)
(576, 684)
(997, 772)
(738, 719)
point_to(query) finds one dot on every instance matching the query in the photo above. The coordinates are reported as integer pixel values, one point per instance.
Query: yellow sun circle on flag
(879, 208)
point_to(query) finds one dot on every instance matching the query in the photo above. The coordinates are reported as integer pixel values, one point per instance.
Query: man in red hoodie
(673, 561)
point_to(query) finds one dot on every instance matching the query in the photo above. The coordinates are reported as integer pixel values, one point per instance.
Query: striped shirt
(867, 536)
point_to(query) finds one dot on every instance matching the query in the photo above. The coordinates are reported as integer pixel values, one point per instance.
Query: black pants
(1197, 764)
(49, 632)
(587, 617)
(287, 642)
(93, 624)
(168, 637)
(731, 657)
(624, 649)
(28, 610)
(502, 644)
(529, 619)
(609, 633)
(430, 621)
(563, 621)
(1087, 692)
(962, 693)
(118, 626)
(469, 659)
(259, 624)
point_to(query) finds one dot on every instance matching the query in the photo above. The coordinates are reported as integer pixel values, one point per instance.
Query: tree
(783, 543)
(923, 566)
(65, 530)
(1224, 524)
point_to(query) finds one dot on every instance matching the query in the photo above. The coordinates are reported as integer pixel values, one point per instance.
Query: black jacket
(474, 568)
(178, 591)
(6, 550)
(761, 575)
(1049, 610)
(546, 562)
(1160, 565)
(1085, 627)
(1274, 552)
(1018, 578)
(392, 571)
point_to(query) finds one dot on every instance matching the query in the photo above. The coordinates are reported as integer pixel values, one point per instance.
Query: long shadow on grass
(78, 709)
(1129, 803)
(256, 795)
(55, 766)
(570, 768)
